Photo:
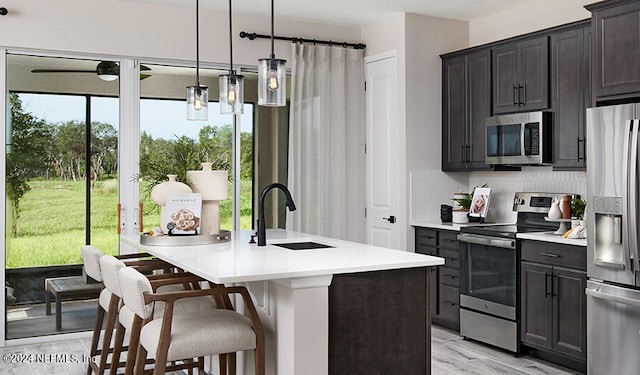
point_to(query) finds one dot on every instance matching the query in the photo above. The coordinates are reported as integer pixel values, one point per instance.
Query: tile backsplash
(430, 189)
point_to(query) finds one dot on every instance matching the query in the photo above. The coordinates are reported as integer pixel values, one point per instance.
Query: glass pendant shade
(197, 103)
(272, 82)
(231, 93)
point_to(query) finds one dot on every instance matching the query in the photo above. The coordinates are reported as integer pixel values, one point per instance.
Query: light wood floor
(450, 355)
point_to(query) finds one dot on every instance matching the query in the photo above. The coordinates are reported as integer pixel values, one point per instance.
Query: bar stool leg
(117, 349)
(97, 327)
(108, 332)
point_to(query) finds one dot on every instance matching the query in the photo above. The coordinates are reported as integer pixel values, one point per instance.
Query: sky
(160, 118)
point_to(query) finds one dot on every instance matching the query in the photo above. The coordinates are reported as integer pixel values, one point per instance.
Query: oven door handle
(489, 241)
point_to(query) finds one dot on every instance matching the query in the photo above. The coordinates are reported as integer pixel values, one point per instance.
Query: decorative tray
(200, 239)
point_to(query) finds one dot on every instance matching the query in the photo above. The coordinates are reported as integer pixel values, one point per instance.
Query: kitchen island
(347, 308)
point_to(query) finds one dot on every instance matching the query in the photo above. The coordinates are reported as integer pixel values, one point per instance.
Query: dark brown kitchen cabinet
(521, 76)
(616, 43)
(445, 282)
(553, 303)
(570, 95)
(466, 90)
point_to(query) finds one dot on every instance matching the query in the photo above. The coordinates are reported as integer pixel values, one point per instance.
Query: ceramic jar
(554, 210)
(159, 194)
(460, 216)
(460, 195)
(565, 207)
(214, 187)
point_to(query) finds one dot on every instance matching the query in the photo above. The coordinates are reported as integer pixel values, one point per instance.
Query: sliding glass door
(61, 182)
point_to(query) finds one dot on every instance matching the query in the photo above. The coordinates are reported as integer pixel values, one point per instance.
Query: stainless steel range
(490, 272)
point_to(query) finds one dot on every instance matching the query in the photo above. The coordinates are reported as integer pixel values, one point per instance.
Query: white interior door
(382, 159)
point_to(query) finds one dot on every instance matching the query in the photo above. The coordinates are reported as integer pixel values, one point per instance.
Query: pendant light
(231, 85)
(197, 96)
(272, 77)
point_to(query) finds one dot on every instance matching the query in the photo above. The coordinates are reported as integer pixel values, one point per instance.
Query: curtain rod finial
(250, 36)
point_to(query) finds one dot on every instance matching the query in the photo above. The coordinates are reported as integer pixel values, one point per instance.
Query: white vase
(214, 187)
(554, 210)
(159, 194)
(460, 217)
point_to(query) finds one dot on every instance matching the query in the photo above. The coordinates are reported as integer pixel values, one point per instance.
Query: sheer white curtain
(327, 141)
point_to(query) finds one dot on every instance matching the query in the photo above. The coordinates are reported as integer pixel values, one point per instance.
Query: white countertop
(452, 226)
(551, 237)
(239, 261)
(538, 236)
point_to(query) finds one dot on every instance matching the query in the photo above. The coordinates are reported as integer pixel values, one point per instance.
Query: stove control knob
(517, 202)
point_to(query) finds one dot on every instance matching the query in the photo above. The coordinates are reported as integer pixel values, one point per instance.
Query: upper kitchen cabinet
(466, 102)
(616, 42)
(570, 94)
(521, 76)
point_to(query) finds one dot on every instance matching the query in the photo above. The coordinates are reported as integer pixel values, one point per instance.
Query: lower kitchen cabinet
(445, 282)
(553, 302)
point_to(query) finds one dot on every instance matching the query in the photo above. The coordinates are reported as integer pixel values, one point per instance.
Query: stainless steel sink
(305, 245)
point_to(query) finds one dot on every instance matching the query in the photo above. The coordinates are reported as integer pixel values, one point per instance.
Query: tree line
(38, 149)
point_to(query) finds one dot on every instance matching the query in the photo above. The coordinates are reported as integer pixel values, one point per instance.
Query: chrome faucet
(262, 236)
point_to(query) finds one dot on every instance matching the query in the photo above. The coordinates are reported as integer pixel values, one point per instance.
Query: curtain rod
(252, 36)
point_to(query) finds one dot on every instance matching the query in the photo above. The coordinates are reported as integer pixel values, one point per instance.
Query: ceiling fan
(106, 70)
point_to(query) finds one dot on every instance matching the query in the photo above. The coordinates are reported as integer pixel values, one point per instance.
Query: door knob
(391, 219)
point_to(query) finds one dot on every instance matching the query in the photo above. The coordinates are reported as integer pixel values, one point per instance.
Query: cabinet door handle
(550, 255)
(516, 100)
(547, 285)
(578, 147)
(522, 98)
(584, 152)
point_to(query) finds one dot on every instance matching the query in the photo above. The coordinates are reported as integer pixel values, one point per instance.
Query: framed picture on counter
(480, 202)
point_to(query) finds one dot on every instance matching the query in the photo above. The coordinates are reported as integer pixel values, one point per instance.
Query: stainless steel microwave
(519, 139)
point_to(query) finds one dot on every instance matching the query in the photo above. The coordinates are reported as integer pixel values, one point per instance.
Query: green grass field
(52, 221)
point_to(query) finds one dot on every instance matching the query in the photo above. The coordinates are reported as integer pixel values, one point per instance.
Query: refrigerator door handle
(633, 195)
(625, 196)
(610, 297)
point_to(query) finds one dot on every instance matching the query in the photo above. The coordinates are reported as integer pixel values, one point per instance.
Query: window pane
(104, 174)
(170, 144)
(47, 162)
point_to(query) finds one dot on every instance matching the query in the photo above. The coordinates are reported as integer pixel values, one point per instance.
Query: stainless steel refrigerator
(613, 264)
